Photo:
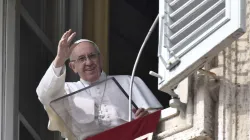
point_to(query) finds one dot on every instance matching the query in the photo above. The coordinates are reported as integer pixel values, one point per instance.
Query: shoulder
(126, 78)
(72, 86)
(72, 83)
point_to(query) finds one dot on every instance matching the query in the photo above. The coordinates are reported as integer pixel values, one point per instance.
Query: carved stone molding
(197, 122)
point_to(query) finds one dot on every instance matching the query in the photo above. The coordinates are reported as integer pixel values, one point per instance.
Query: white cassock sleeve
(52, 85)
(142, 96)
(50, 88)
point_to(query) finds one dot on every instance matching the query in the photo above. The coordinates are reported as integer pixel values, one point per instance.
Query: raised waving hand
(64, 50)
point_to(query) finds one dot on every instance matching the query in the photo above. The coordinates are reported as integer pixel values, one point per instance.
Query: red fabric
(131, 130)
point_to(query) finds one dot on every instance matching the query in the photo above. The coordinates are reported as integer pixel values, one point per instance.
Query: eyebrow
(81, 56)
(85, 55)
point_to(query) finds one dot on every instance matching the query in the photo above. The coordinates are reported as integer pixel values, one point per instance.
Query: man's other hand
(140, 112)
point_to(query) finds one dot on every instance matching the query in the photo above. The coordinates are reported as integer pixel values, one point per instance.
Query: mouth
(90, 69)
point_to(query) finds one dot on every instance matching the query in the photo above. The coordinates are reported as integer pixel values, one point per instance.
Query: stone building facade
(217, 108)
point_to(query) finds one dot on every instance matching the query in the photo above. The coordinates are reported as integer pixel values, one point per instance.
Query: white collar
(101, 78)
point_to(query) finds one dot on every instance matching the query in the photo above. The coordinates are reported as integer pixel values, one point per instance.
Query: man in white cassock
(86, 61)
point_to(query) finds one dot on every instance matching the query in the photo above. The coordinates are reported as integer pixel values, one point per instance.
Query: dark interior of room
(130, 21)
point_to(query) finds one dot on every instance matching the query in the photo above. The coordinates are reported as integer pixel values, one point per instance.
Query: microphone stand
(135, 65)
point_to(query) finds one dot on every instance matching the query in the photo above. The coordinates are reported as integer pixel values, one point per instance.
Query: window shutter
(189, 34)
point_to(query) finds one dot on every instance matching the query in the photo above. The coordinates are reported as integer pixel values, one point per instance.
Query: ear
(72, 66)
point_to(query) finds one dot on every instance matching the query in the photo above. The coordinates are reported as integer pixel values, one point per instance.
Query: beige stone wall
(234, 96)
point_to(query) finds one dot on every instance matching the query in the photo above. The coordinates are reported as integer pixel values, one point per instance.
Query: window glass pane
(50, 23)
(24, 133)
(34, 8)
(44, 13)
(34, 61)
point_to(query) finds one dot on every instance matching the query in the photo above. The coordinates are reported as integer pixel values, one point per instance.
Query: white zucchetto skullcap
(86, 40)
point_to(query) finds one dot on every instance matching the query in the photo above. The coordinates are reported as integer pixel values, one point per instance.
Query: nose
(88, 61)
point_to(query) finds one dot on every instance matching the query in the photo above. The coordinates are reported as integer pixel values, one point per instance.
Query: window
(190, 32)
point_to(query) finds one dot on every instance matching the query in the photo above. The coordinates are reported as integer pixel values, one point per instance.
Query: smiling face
(86, 61)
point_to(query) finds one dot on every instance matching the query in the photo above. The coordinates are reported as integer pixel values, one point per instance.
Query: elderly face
(86, 61)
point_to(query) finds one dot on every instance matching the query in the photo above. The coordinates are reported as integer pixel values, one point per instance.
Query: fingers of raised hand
(64, 39)
(65, 35)
(70, 38)
(67, 38)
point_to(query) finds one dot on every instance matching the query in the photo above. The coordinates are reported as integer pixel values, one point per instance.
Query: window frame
(9, 69)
